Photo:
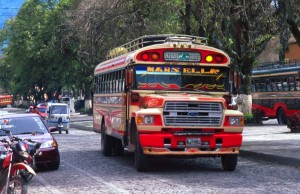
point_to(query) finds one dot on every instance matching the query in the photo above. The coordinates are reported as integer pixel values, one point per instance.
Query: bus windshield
(192, 78)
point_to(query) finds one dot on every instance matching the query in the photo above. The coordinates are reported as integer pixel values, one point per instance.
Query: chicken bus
(166, 96)
(5, 99)
(276, 90)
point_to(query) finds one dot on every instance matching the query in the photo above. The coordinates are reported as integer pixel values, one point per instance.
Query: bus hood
(158, 100)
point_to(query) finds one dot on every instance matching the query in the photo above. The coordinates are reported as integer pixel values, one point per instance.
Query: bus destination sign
(182, 56)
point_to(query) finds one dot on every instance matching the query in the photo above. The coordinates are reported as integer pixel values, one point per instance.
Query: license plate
(193, 142)
(182, 56)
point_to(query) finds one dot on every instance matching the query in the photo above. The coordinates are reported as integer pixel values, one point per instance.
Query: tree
(240, 27)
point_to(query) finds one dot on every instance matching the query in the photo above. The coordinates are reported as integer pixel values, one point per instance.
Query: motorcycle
(60, 125)
(10, 180)
(33, 150)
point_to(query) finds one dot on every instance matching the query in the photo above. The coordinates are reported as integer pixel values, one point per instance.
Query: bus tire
(118, 149)
(281, 117)
(229, 162)
(141, 161)
(106, 141)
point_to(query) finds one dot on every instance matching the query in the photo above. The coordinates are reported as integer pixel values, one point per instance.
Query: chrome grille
(193, 114)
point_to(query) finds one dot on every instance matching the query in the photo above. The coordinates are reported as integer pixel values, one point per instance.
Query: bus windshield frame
(181, 78)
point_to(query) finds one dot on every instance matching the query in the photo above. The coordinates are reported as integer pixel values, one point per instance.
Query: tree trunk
(244, 102)
(187, 17)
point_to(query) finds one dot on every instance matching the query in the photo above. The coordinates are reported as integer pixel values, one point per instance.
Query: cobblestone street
(84, 170)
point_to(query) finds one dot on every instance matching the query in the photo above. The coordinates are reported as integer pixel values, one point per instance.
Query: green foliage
(253, 118)
(54, 44)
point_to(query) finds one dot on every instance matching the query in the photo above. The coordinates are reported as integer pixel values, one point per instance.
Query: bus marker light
(155, 56)
(145, 56)
(209, 58)
(140, 119)
(219, 58)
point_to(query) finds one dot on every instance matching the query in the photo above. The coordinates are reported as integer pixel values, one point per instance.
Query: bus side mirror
(129, 78)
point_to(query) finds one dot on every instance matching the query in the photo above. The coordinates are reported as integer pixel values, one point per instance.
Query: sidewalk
(268, 142)
(271, 142)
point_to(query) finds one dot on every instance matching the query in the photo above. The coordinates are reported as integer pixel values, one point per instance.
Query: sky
(8, 9)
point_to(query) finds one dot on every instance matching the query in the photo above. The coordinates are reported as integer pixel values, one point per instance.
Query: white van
(66, 100)
(58, 116)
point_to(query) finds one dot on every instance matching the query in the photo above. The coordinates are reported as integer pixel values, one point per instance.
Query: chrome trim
(193, 114)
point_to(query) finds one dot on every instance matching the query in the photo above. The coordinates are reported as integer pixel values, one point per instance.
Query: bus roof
(121, 56)
(276, 67)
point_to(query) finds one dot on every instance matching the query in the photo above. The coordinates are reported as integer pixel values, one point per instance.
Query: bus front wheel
(229, 162)
(141, 161)
(281, 118)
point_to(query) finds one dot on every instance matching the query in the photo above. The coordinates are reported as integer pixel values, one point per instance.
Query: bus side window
(117, 81)
(291, 83)
(96, 84)
(273, 86)
(253, 86)
(105, 83)
(279, 85)
(263, 85)
(297, 82)
(257, 86)
(268, 84)
(110, 83)
(285, 85)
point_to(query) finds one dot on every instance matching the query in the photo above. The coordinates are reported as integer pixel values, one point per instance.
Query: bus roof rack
(148, 40)
(277, 65)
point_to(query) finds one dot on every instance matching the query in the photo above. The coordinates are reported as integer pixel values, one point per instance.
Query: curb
(270, 158)
(80, 127)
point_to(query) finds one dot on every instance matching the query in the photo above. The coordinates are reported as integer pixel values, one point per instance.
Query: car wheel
(54, 165)
(106, 142)
(229, 162)
(281, 118)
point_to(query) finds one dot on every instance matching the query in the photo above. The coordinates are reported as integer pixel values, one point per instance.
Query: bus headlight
(236, 121)
(145, 119)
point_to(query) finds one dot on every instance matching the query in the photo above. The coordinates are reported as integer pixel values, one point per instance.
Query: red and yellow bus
(164, 95)
(5, 100)
(276, 90)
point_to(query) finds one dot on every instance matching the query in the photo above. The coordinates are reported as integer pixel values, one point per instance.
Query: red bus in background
(276, 90)
(6, 100)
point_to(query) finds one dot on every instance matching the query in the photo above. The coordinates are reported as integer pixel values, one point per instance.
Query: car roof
(18, 115)
(41, 106)
(57, 104)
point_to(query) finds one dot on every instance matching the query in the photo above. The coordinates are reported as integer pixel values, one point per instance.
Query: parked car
(31, 126)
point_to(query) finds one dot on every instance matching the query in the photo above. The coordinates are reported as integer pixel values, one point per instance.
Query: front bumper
(49, 155)
(169, 144)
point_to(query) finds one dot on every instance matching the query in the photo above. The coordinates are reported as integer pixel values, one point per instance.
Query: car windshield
(43, 110)
(23, 125)
(191, 78)
(59, 110)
